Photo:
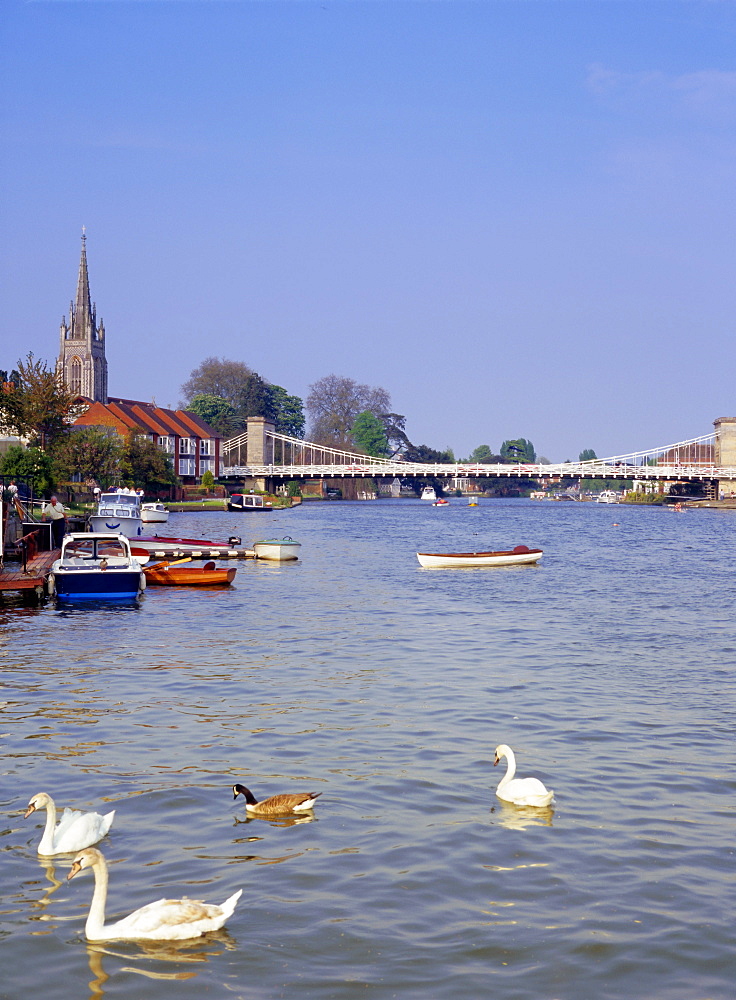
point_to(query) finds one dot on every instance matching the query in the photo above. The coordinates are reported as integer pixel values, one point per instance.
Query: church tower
(82, 363)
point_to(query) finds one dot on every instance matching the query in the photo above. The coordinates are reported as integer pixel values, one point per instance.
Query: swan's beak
(31, 808)
(497, 760)
(75, 870)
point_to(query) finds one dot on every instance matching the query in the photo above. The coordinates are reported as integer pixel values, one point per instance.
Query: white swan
(520, 791)
(75, 830)
(164, 920)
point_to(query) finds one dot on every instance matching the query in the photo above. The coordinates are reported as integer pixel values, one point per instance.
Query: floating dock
(33, 578)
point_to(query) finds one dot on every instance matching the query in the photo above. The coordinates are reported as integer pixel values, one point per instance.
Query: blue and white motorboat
(96, 567)
(118, 512)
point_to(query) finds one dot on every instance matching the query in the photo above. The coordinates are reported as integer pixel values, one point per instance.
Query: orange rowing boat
(164, 574)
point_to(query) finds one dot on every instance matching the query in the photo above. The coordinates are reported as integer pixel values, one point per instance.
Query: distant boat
(607, 496)
(96, 567)
(118, 512)
(277, 549)
(519, 556)
(248, 501)
(154, 513)
(428, 493)
(441, 503)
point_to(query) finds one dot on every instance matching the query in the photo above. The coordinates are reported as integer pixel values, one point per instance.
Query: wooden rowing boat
(165, 574)
(519, 556)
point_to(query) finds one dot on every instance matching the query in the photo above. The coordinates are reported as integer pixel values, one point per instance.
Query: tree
(217, 377)
(254, 399)
(30, 464)
(369, 434)
(334, 403)
(216, 411)
(288, 410)
(484, 454)
(394, 424)
(143, 464)
(587, 455)
(91, 452)
(37, 407)
(518, 450)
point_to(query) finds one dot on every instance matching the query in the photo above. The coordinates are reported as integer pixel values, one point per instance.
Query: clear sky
(517, 217)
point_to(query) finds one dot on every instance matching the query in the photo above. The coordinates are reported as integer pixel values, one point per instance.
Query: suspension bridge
(265, 456)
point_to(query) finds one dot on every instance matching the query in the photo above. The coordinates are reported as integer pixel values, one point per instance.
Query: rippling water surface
(609, 668)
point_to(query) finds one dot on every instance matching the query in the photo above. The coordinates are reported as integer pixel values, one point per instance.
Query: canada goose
(277, 805)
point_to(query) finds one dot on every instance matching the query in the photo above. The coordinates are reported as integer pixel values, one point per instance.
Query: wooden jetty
(33, 571)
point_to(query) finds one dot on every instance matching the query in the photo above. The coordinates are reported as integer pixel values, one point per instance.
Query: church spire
(82, 307)
(82, 362)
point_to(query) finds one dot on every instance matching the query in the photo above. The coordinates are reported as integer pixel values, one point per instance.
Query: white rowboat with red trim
(522, 555)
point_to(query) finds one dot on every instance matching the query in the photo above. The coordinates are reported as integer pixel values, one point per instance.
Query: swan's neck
(96, 918)
(48, 834)
(510, 768)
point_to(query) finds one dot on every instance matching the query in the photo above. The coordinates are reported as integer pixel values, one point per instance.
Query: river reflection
(609, 668)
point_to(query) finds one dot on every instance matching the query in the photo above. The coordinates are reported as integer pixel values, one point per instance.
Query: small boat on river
(166, 574)
(96, 567)
(441, 503)
(118, 512)
(248, 501)
(154, 513)
(522, 555)
(428, 493)
(277, 549)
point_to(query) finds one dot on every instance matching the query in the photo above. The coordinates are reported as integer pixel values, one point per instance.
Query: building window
(206, 465)
(75, 377)
(205, 447)
(187, 467)
(166, 444)
(186, 446)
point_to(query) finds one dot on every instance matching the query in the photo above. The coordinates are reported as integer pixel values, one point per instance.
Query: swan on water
(520, 791)
(75, 830)
(277, 805)
(164, 920)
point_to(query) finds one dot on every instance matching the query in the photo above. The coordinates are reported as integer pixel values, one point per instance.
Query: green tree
(31, 464)
(394, 424)
(217, 377)
(484, 454)
(369, 434)
(518, 450)
(37, 407)
(143, 464)
(208, 480)
(216, 411)
(91, 452)
(288, 412)
(587, 455)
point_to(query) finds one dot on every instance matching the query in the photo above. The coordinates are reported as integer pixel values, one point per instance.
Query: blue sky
(519, 218)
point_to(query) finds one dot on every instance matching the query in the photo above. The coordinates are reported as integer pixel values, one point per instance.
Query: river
(609, 668)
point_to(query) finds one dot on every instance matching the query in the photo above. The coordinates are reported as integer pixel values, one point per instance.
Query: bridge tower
(725, 447)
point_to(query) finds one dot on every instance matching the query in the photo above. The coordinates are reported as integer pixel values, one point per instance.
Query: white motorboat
(428, 493)
(154, 513)
(520, 556)
(277, 549)
(607, 496)
(96, 566)
(118, 512)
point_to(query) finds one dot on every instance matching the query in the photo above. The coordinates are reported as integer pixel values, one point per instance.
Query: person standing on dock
(54, 512)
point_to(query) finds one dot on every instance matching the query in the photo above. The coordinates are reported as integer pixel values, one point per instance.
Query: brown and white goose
(277, 805)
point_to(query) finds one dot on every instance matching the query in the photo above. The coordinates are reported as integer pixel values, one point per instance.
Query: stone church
(82, 363)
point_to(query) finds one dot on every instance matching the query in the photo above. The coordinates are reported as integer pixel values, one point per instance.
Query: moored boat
(96, 567)
(165, 574)
(154, 513)
(118, 512)
(428, 493)
(519, 556)
(248, 501)
(277, 549)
